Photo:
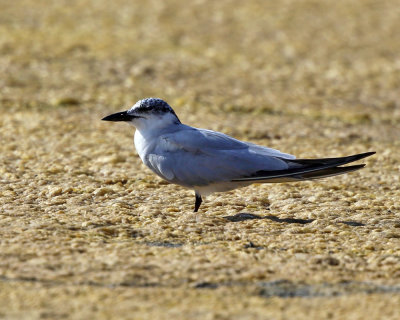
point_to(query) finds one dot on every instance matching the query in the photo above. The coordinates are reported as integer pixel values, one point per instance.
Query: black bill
(119, 116)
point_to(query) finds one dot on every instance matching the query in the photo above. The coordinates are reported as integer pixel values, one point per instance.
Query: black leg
(198, 202)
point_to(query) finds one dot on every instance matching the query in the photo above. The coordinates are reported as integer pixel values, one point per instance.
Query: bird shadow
(243, 216)
(289, 220)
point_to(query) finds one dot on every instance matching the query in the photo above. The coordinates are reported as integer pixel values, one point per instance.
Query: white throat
(149, 129)
(152, 124)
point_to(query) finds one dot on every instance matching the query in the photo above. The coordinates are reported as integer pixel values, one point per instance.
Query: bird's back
(197, 157)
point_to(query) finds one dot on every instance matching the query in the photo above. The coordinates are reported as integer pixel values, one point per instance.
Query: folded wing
(307, 169)
(196, 157)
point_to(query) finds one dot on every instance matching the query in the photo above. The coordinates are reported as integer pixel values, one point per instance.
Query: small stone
(55, 191)
(103, 191)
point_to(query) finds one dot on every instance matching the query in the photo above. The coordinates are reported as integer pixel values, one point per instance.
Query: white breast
(142, 145)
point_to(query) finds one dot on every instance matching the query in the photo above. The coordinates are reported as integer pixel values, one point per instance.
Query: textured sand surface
(87, 232)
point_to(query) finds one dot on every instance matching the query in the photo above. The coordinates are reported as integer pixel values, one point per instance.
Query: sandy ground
(87, 232)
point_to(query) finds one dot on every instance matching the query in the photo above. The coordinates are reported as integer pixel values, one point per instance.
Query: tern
(208, 161)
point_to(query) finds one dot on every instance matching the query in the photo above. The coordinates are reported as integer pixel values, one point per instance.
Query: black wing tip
(359, 156)
(330, 172)
(355, 167)
(311, 175)
(339, 161)
(311, 167)
(365, 154)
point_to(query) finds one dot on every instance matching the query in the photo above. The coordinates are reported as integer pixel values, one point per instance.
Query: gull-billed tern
(208, 161)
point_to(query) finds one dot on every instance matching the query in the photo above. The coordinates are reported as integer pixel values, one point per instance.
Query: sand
(87, 232)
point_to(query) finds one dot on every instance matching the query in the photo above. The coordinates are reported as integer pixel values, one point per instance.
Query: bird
(207, 161)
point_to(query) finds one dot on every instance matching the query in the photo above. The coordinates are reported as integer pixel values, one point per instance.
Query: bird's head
(149, 113)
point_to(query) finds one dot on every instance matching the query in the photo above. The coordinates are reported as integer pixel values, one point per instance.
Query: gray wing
(308, 169)
(193, 139)
(197, 157)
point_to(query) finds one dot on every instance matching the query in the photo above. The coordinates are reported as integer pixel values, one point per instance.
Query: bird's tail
(308, 169)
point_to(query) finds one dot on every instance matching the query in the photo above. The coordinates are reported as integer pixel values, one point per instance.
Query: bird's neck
(157, 129)
(146, 138)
